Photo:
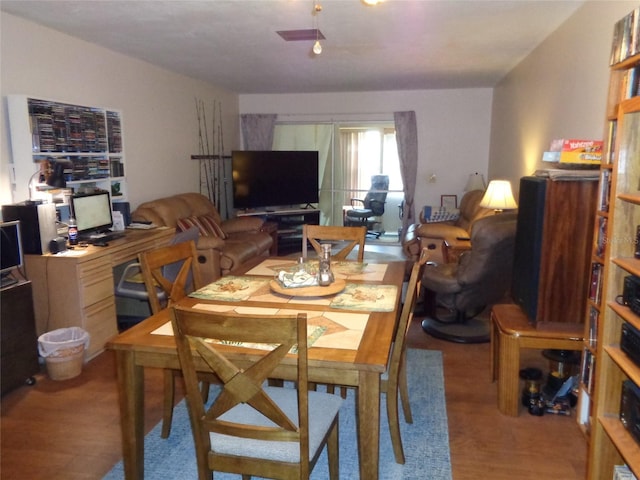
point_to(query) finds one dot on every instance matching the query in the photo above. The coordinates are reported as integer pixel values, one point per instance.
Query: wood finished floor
(69, 430)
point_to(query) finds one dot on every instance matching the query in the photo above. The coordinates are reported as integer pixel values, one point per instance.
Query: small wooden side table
(511, 331)
(453, 248)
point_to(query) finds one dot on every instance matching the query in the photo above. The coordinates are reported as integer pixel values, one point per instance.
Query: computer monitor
(92, 212)
(10, 250)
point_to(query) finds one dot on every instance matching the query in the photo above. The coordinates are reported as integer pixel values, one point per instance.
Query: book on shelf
(611, 142)
(601, 237)
(595, 292)
(604, 190)
(629, 84)
(626, 37)
(594, 317)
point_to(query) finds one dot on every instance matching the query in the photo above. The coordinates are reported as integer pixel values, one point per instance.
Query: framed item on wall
(450, 202)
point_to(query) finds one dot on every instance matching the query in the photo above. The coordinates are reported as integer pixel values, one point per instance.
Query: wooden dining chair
(394, 380)
(173, 269)
(251, 428)
(314, 234)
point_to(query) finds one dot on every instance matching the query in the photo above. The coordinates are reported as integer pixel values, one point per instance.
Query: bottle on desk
(73, 231)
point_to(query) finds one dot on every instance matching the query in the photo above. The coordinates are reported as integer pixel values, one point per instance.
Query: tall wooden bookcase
(617, 217)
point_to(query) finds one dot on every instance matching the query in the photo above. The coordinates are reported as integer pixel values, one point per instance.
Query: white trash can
(63, 351)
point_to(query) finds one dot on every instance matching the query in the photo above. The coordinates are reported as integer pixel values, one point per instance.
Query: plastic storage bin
(63, 351)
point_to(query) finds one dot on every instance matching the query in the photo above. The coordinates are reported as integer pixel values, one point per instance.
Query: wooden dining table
(354, 356)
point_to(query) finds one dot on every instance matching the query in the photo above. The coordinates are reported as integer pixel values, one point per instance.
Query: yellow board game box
(581, 151)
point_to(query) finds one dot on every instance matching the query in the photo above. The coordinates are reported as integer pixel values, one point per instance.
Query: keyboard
(105, 236)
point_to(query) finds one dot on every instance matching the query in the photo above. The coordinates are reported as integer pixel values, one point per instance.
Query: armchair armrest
(128, 272)
(355, 201)
(209, 251)
(205, 243)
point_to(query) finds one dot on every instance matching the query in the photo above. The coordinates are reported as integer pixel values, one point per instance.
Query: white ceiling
(397, 45)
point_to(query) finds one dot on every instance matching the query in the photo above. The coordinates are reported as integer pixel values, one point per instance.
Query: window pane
(391, 163)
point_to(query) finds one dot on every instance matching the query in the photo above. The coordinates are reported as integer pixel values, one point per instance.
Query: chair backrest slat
(355, 236)
(243, 383)
(154, 273)
(406, 315)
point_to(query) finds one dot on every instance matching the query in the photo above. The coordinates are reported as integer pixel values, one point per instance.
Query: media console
(289, 223)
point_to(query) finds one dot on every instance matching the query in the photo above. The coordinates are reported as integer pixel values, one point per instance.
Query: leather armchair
(481, 277)
(431, 235)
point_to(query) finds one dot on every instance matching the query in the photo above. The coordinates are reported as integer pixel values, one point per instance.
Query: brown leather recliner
(482, 276)
(431, 235)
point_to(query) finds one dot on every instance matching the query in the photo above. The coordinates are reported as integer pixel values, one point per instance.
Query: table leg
(508, 374)
(368, 422)
(131, 397)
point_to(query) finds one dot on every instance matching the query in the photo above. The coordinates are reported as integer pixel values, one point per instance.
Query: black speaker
(37, 222)
(125, 209)
(528, 246)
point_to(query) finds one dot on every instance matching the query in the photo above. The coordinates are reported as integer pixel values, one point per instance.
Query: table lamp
(475, 182)
(499, 196)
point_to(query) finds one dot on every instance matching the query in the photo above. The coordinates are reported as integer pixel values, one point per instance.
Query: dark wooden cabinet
(18, 344)
(553, 248)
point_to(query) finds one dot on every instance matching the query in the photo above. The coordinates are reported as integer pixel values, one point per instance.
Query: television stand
(289, 224)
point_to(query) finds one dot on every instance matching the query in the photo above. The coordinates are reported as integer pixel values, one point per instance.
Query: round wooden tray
(315, 291)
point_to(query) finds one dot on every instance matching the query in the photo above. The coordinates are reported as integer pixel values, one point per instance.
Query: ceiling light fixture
(371, 3)
(317, 8)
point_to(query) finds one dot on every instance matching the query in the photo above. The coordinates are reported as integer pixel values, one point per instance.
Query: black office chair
(372, 207)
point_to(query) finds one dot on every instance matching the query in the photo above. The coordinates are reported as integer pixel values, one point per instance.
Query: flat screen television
(11, 255)
(92, 212)
(274, 178)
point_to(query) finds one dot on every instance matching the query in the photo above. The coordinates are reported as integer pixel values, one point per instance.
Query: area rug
(426, 441)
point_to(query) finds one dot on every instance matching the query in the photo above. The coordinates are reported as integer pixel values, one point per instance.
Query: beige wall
(159, 114)
(453, 127)
(558, 91)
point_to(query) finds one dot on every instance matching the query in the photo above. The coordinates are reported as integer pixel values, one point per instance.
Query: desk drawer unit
(100, 321)
(96, 281)
(97, 304)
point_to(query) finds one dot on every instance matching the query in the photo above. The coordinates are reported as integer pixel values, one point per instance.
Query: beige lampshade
(475, 182)
(499, 196)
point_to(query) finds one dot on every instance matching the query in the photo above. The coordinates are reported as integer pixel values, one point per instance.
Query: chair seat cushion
(441, 278)
(360, 213)
(323, 408)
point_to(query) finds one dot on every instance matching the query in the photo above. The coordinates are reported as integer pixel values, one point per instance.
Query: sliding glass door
(350, 154)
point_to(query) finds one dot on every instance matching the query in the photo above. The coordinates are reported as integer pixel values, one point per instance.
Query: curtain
(407, 141)
(257, 130)
(347, 172)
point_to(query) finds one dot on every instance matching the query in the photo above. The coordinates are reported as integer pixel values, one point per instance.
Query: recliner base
(473, 330)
